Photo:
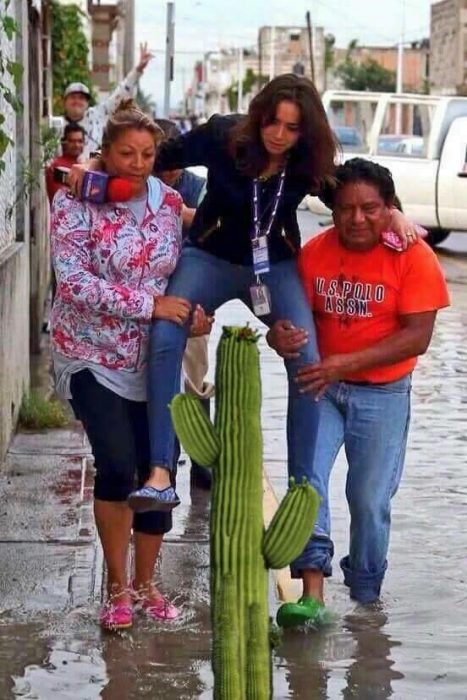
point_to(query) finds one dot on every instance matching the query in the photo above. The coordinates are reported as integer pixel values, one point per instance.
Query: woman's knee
(152, 523)
(167, 337)
(114, 480)
(368, 510)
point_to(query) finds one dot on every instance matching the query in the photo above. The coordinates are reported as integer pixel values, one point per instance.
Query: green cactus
(241, 552)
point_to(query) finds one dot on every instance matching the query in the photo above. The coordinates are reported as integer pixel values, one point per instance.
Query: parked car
(349, 138)
(432, 186)
(401, 143)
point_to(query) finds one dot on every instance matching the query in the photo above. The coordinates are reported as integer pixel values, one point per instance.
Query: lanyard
(259, 238)
(256, 217)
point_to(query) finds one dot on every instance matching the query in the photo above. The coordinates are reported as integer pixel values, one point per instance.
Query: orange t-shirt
(358, 297)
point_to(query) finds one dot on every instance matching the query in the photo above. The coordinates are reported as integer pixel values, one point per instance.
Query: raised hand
(144, 57)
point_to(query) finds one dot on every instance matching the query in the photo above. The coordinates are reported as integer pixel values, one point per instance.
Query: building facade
(214, 87)
(24, 249)
(217, 75)
(112, 30)
(415, 63)
(287, 50)
(448, 38)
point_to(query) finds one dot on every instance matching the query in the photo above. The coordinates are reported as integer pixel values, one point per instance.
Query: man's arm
(411, 340)
(196, 146)
(126, 89)
(188, 214)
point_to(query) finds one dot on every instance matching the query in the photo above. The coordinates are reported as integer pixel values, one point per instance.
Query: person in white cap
(76, 109)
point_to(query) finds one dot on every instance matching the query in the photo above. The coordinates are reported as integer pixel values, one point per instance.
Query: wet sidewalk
(413, 646)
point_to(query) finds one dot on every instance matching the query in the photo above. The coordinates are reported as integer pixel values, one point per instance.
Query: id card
(260, 299)
(260, 250)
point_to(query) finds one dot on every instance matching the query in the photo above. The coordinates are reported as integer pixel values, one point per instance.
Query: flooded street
(412, 646)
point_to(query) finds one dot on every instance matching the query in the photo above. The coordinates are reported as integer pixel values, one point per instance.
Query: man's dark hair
(170, 129)
(360, 170)
(71, 129)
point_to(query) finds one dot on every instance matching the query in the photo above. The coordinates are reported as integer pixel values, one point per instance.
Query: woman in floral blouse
(112, 263)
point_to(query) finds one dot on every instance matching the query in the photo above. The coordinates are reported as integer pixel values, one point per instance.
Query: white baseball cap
(77, 87)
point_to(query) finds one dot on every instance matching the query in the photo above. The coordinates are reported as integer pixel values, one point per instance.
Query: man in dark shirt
(190, 186)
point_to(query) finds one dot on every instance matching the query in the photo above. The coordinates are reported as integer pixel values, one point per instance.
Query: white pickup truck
(422, 139)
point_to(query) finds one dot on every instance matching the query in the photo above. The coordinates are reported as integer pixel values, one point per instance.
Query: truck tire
(436, 236)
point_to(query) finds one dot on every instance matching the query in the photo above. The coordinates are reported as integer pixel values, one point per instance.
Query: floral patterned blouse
(109, 269)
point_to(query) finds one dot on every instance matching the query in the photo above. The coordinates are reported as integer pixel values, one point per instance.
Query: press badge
(260, 299)
(260, 251)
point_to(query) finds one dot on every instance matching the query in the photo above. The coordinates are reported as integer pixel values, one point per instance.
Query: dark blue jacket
(223, 221)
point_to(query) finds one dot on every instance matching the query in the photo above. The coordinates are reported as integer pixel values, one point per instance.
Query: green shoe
(306, 610)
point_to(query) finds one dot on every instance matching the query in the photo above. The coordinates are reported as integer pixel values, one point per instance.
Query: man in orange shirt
(374, 310)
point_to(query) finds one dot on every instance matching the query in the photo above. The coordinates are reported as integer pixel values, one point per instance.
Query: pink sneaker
(116, 616)
(157, 608)
(160, 609)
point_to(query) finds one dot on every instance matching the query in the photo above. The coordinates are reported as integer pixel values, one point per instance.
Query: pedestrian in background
(113, 262)
(189, 185)
(77, 109)
(374, 309)
(72, 150)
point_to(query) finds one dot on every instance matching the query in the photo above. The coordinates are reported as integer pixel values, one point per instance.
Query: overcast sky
(204, 25)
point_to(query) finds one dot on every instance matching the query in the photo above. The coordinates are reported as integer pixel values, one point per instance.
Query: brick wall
(24, 256)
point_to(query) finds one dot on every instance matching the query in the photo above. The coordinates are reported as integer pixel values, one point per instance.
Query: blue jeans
(204, 279)
(372, 422)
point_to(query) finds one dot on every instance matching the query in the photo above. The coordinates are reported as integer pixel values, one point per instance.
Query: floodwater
(413, 645)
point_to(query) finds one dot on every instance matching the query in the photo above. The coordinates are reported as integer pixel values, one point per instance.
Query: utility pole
(260, 57)
(169, 56)
(203, 84)
(400, 70)
(240, 81)
(310, 45)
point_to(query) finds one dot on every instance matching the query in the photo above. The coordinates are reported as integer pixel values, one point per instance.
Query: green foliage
(329, 56)
(31, 171)
(145, 102)
(49, 143)
(37, 413)
(250, 81)
(368, 75)
(8, 27)
(70, 51)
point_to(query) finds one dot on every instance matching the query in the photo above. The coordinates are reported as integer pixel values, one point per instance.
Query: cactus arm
(194, 429)
(291, 527)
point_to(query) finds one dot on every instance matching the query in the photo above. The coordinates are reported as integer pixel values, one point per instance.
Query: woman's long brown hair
(312, 158)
